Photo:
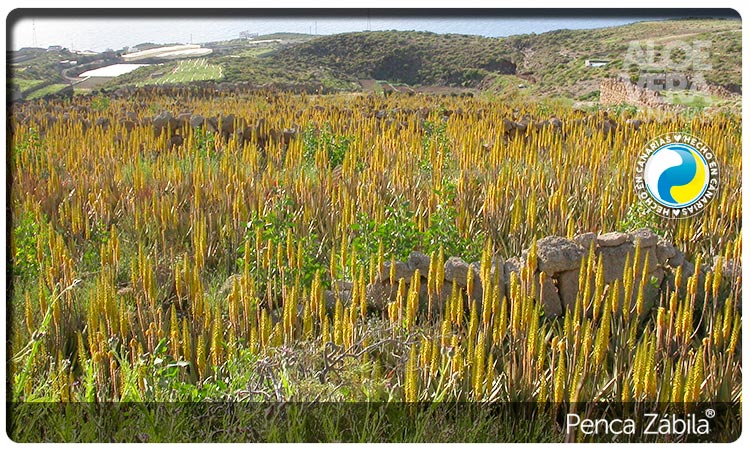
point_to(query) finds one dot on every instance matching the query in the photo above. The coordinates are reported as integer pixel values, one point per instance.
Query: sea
(83, 33)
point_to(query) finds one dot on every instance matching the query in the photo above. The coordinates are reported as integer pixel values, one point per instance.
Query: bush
(27, 235)
(333, 145)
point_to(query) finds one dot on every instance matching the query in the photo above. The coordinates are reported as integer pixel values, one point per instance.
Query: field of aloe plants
(174, 246)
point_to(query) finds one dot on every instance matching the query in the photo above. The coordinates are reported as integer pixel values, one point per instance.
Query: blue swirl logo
(677, 175)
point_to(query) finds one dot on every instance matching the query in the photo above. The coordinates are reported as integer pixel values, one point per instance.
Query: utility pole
(33, 32)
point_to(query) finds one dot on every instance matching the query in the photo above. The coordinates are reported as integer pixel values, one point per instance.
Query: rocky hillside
(552, 63)
(529, 66)
(555, 62)
(415, 58)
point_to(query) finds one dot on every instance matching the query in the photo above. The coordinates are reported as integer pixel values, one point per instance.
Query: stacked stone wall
(613, 91)
(555, 270)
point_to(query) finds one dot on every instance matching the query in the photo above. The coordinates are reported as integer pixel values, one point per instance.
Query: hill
(555, 62)
(552, 63)
(415, 58)
(531, 66)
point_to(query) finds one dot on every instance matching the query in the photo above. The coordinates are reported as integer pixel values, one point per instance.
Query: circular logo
(676, 175)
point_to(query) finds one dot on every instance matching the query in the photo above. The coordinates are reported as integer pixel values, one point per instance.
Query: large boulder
(378, 295)
(438, 299)
(456, 269)
(612, 239)
(567, 286)
(161, 122)
(585, 239)
(402, 270)
(289, 134)
(648, 253)
(176, 141)
(128, 125)
(547, 294)
(514, 264)
(212, 124)
(677, 260)
(418, 260)
(665, 251)
(247, 133)
(183, 119)
(613, 260)
(634, 123)
(557, 254)
(343, 286)
(330, 297)
(196, 120)
(102, 122)
(122, 92)
(645, 236)
(688, 270)
(227, 124)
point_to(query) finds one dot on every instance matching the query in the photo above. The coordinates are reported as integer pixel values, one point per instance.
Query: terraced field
(187, 71)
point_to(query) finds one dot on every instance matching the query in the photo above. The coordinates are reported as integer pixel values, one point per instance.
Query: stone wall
(558, 263)
(718, 91)
(614, 91)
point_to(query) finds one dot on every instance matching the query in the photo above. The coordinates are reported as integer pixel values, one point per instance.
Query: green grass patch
(25, 85)
(185, 71)
(255, 51)
(692, 99)
(47, 90)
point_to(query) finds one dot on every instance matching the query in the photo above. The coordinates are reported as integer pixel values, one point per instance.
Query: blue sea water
(100, 33)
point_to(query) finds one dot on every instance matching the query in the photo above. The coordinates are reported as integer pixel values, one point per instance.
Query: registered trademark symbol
(710, 413)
